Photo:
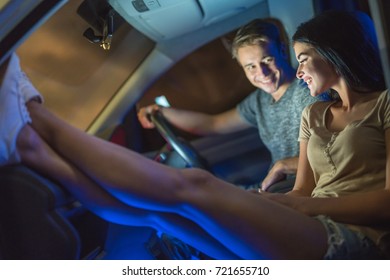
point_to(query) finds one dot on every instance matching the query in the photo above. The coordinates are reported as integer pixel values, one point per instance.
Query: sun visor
(166, 19)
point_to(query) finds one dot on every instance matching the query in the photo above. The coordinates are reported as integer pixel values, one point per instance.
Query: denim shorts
(347, 244)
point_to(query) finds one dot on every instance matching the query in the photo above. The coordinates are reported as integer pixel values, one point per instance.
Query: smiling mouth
(268, 80)
(308, 81)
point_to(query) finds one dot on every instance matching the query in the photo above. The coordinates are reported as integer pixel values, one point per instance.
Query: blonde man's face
(262, 64)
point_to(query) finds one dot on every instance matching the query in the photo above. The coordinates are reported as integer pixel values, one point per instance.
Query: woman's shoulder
(315, 112)
(385, 95)
(383, 100)
(319, 106)
(383, 103)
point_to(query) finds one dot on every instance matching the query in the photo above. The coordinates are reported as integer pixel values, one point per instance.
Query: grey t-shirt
(278, 122)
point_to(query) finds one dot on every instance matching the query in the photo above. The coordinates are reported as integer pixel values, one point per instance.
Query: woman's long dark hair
(347, 41)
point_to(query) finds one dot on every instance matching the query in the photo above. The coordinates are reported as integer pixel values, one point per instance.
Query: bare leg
(39, 156)
(18, 140)
(247, 224)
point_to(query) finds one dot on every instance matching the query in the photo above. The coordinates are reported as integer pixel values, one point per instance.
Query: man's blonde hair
(260, 30)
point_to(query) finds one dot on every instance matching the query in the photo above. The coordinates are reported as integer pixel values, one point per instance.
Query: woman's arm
(361, 208)
(304, 182)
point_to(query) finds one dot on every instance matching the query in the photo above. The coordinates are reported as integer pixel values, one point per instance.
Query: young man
(275, 107)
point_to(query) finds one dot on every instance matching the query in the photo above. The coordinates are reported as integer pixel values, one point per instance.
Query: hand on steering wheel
(181, 146)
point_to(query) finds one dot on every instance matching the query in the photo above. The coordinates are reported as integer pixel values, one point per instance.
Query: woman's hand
(291, 200)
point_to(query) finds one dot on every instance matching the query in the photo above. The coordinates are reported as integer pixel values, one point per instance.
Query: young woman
(340, 205)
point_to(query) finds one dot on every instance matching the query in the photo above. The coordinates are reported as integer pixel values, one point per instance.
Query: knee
(28, 141)
(197, 177)
(194, 182)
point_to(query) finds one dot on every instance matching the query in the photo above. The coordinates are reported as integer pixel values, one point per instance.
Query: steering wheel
(181, 146)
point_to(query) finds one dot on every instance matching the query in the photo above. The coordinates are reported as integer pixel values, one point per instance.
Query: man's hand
(279, 171)
(143, 115)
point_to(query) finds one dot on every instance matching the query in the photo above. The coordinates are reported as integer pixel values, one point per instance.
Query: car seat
(40, 220)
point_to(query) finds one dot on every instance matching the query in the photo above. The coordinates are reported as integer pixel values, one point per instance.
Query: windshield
(78, 78)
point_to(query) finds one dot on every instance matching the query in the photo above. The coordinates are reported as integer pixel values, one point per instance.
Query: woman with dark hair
(338, 209)
(348, 42)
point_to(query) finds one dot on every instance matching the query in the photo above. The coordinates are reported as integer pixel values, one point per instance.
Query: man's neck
(281, 91)
(289, 77)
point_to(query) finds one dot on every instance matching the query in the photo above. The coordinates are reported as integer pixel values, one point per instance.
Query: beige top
(349, 161)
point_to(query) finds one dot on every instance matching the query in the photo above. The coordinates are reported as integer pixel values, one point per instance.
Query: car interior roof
(208, 21)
